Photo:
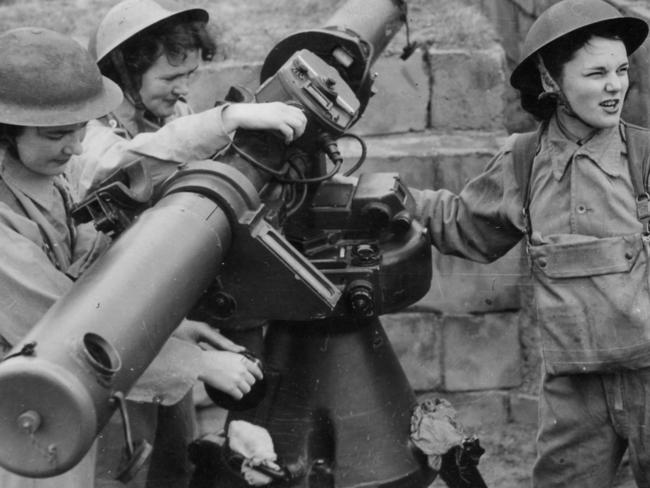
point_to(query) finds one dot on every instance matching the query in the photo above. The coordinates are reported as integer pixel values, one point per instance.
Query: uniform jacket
(43, 252)
(116, 140)
(588, 257)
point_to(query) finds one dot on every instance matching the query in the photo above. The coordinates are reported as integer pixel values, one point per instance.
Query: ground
(246, 31)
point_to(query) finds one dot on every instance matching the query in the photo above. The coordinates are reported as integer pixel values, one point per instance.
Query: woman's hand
(201, 333)
(290, 121)
(232, 373)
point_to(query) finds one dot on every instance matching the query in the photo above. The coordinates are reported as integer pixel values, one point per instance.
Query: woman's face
(47, 150)
(595, 82)
(164, 83)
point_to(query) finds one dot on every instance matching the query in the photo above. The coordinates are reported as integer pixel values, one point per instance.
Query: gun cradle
(354, 251)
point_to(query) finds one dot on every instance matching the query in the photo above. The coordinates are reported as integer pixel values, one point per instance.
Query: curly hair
(8, 135)
(172, 37)
(555, 55)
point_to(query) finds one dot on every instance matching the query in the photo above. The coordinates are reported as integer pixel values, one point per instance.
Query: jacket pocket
(589, 258)
(593, 304)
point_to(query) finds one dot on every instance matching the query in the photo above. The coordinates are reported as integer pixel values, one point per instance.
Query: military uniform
(126, 135)
(590, 272)
(110, 143)
(42, 252)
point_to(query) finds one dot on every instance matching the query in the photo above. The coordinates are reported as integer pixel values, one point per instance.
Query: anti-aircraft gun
(266, 231)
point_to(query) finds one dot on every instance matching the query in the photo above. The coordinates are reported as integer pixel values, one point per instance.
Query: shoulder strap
(638, 153)
(523, 152)
(638, 156)
(524, 149)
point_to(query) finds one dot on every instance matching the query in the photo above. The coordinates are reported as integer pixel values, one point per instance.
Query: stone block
(475, 409)
(524, 22)
(468, 89)
(402, 99)
(415, 338)
(460, 286)
(429, 159)
(637, 103)
(481, 352)
(527, 6)
(504, 14)
(523, 408)
(213, 80)
(541, 5)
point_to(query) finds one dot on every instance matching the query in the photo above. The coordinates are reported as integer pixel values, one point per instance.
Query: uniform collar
(39, 188)
(604, 149)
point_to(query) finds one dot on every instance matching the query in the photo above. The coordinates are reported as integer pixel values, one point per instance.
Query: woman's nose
(181, 87)
(614, 83)
(73, 146)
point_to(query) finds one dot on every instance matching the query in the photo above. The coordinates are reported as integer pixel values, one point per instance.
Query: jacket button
(628, 255)
(581, 209)
(542, 262)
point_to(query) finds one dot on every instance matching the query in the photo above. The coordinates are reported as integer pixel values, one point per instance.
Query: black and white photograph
(324, 244)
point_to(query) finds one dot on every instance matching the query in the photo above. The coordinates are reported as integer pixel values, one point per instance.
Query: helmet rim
(107, 100)
(100, 48)
(49, 79)
(633, 32)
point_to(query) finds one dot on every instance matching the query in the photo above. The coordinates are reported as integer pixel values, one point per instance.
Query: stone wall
(437, 119)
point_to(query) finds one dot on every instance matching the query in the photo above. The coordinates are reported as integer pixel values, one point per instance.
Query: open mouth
(611, 105)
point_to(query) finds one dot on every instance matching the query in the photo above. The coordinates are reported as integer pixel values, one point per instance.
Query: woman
(51, 87)
(587, 244)
(152, 53)
(44, 108)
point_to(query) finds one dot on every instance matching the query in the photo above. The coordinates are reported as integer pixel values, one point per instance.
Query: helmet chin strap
(130, 91)
(553, 90)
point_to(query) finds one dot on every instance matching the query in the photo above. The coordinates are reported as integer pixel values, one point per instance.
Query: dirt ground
(245, 31)
(510, 455)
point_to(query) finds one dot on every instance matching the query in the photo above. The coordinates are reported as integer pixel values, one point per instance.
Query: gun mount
(267, 231)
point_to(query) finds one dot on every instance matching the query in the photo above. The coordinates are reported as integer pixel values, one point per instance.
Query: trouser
(169, 429)
(80, 476)
(586, 422)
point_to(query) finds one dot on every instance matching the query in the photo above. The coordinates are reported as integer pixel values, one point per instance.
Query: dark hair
(172, 37)
(8, 134)
(555, 55)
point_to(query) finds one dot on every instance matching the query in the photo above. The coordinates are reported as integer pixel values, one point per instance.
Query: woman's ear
(550, 86)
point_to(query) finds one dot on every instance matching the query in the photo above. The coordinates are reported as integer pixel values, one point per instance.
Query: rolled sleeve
(186, 138)
(481, 223)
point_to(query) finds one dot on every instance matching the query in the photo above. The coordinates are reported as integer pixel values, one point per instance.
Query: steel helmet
(129, 17)
(48, 79)
(568, 16)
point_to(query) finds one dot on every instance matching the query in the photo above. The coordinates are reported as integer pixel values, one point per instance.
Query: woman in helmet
(152, 53)
(50, 87)
(586, 238)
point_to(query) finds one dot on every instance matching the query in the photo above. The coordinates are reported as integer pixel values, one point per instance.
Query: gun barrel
(103, 334)
(376, 24)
